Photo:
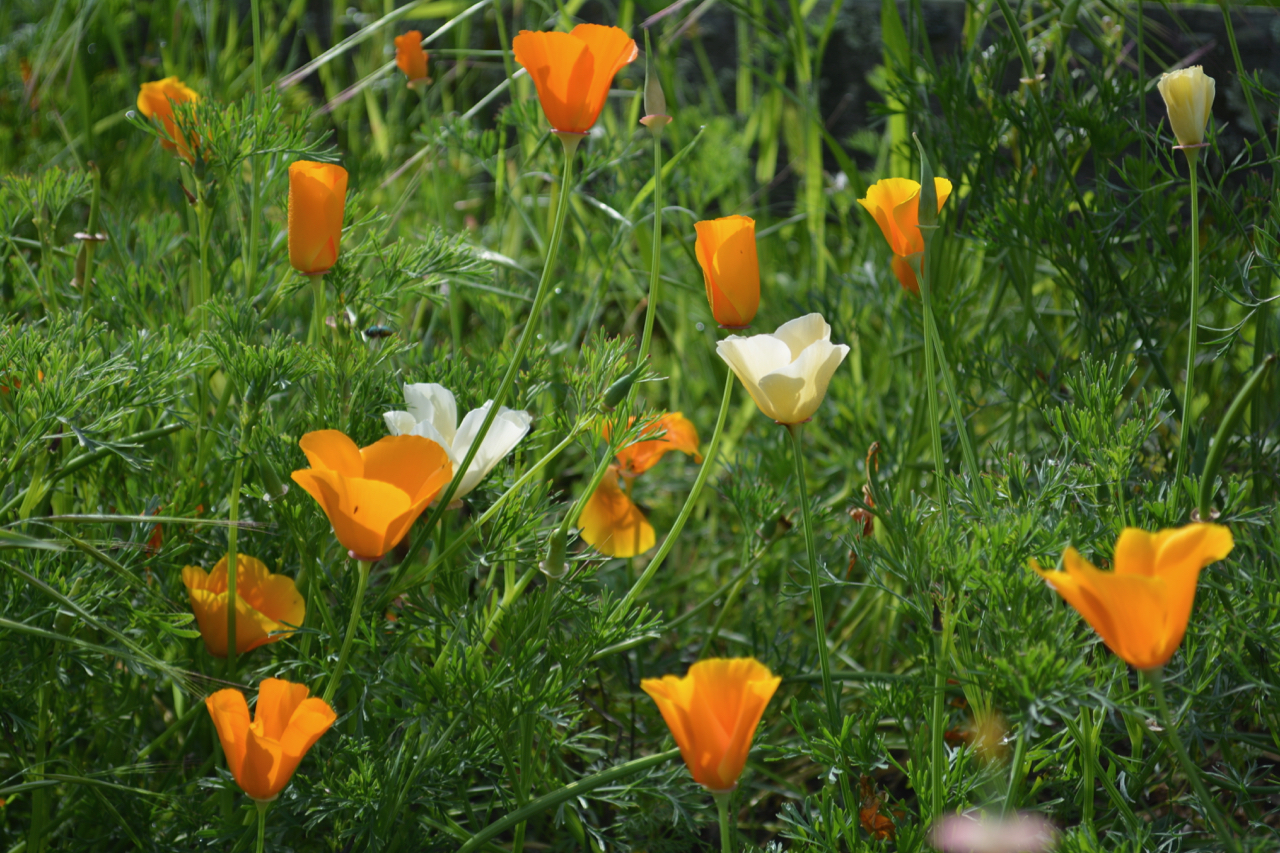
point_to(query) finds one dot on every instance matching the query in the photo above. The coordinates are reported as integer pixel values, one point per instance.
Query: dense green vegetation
(154, 387)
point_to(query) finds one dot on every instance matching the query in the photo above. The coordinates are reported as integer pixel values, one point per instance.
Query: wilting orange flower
(156, 100)
(263, 754)
(372, 495)
(410, 56)
(895, 204)
(265, 603)
(573, 71)
(610, 521)
(726, 250)
(713, 713)
(1141, 609)
(317, 200)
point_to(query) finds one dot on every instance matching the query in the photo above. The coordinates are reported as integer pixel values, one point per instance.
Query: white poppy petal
(399, 423)
(506, 431)
(753, 357)
(799, 333)
(430, 401)
(797, 390)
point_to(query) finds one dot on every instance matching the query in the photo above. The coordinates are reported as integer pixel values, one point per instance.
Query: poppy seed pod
(1141, 609)
(262, 755)
(573, 71)
(712, 713)
(410, 57)
(726, 251)
(156, 100)
(317, 201)
(1188, 96)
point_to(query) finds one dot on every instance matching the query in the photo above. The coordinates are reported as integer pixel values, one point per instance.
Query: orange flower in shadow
(713, 713)
(265, 604)
(610, 521)
(573, 71)
(410, 57)
(263, 754)
(1141, 609)
(726, 251)
(156, 100)
(372, 495)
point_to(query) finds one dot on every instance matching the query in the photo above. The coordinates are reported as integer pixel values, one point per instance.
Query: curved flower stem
(722, 806)
(351, 630)
(667, 544)
(1223, 829)
(262, 806)
(1189, 389)
(815, 585)
(570, 141)
(655, 261)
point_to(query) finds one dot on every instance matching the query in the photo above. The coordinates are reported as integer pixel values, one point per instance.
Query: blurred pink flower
(977, 833)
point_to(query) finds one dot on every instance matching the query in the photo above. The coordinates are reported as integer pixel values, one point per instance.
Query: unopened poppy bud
(726, 251)
(1188, 96)
(617, 392)
(555, 566)
(317, 201)
(272, 487)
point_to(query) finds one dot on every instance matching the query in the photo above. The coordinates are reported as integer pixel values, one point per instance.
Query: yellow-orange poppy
(372, 495)
(895, 205)
(713, 713)
(263, 754)
(265, 604)
(156, 100)
(1141, 609)
(573, 71)
(676, 433)
(317, 201)
(726, 251)
(612, 523)
(410, 57)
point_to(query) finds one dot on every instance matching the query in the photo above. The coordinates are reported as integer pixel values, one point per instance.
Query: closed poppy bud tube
(1188, 96)
(266, 605)
(726, 251)
(1141, 609)
(156, 100)
(372, 495)
(317, 201)
(573, 71)
(410, 57)
(713, 713)
(263, 754)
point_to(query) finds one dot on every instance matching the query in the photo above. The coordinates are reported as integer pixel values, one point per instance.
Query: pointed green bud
(617, 392)
(927, 216)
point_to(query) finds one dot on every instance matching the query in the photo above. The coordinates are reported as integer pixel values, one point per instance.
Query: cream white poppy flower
(787, 372)
(433, 414)
(1188, 95)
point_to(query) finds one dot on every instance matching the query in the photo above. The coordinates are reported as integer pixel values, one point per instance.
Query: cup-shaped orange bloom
(713, 713)
(726, 250)
(573, 71)
(265, 604)
(1141, 609)
(372, 495)
(895, 205)
(410, 56)
(317, 200)
(156, 100)
(674, 432)
(263, 754)
(612, 523)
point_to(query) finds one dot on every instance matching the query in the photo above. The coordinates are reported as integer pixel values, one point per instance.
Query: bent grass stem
(329, 691)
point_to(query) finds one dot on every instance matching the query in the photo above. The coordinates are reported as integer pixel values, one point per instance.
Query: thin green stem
(726, 829)
(262, 807)
(570, 142)
(1188, 392)
(931, 382)
(1221, 826)
(318, 309)
(708, 461)
(655, 260)
(937, 730)
(329, 691)
(257, 50)
(815, 584)
(233, 513)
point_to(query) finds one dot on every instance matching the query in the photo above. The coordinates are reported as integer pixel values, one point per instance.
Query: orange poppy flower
(677, 433)
(156, 100)
(726, 250)
(265, 604)
(372, 495)
(610, 521)
(713, 713)
(262, 755)
(895, 205)
(573, 71)
(317, 201)
(410, 56)
(1141, 609)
